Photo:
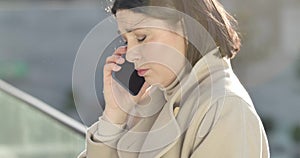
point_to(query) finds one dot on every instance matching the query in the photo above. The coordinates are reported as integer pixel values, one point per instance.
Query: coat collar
(155, 135)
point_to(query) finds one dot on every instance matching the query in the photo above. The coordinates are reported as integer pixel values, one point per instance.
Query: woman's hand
(118, 100)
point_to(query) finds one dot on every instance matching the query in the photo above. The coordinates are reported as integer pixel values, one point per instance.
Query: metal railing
(44, 108)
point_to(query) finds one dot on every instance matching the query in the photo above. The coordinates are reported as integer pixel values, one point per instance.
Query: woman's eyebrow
(129, 30)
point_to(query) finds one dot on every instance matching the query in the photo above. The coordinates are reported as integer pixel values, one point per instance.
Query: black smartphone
(129, 78)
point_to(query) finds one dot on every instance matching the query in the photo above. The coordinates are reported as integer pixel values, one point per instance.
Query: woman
(191, 104)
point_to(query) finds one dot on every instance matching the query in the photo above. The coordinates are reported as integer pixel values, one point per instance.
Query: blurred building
(268, 65)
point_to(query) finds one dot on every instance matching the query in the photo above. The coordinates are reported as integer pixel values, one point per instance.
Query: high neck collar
(200, 69)
(174, 85)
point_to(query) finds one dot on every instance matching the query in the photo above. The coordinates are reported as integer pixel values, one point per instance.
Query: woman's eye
(141, 39)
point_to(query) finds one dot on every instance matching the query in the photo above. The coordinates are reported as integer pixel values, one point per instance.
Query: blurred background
(39, 40)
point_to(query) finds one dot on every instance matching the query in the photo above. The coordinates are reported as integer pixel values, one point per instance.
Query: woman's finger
(115, 59)
(108, 68)
(120, 51)
(143, 89)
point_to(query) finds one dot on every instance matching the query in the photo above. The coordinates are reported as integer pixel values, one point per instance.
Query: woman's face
(156, 48)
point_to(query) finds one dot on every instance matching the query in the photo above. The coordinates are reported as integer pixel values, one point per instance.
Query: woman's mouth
(142, 72)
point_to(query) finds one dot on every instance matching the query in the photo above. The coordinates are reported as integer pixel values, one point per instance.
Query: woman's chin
(151, 82)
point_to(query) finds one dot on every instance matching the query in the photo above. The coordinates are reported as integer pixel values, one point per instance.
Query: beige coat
(216, 119)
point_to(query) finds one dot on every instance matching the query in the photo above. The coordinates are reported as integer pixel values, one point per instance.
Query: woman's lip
(141, 72)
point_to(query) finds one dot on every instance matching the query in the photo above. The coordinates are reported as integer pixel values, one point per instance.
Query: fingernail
(120, 60)
(117, 68)
(124, 48)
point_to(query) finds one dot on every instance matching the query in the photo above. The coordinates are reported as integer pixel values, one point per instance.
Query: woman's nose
(132, 54)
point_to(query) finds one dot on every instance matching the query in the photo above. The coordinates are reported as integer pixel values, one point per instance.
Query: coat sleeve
(237, 132)
(101, 139)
